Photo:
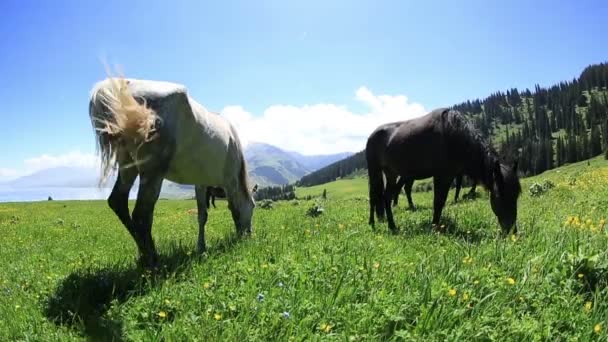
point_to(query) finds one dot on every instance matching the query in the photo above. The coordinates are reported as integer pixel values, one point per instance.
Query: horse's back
(207, 148)
(418, 147)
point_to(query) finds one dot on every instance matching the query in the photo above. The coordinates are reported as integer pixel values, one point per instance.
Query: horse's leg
(147, 195)
(213, 201)
(441, 187)
(388, 196)
(409, 183)
(400, 185)
(458, 186)
(119, 198)
(202, 203)
(472, 191)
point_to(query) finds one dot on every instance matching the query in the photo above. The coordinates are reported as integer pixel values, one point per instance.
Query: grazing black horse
(442, 144)
(216, 191)
(407, 182)
(212, 193)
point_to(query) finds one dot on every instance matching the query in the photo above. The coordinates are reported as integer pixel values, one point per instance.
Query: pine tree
(596, 142)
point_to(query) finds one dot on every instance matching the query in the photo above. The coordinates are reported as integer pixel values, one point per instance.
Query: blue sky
(257, 61)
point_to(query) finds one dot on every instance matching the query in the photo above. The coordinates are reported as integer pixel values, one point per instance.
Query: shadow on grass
(83, 297)
(448, 227)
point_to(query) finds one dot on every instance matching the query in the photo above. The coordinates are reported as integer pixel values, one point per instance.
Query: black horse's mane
(482, 155)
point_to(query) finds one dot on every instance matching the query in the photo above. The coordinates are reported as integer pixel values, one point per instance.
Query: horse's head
(504, 194)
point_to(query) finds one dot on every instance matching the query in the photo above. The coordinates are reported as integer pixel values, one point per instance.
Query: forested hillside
(542, 129)
(334, 171)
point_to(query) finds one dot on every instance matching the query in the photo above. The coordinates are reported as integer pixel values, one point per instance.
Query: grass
(68, 270)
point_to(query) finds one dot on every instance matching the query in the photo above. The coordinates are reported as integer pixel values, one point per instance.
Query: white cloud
(322, 128)
(8, 174)
(73, 159)
(46, 161)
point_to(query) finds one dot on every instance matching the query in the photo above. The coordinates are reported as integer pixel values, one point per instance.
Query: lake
(8, 194)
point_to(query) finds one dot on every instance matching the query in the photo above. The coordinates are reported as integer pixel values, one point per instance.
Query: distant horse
(212, 193)
(156, 131)
(407, 182)
(442, 145)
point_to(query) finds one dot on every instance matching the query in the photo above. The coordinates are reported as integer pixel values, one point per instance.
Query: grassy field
(67, 270)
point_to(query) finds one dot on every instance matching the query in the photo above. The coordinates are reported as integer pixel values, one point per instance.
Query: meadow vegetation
(68, 270)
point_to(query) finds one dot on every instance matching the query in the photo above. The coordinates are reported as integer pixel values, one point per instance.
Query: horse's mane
(482, 156)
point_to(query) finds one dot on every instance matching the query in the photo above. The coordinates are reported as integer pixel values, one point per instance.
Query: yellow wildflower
(588, 306)
(217, 316)
(588, 222)
(167, 302)
(325, 327)
(452, 292)
(162, 314)
(465, 296)
(340, 226)
(511, 281)
(580, 275)
(377, 265)
(476, 282)
(597, 328)
(513, 237)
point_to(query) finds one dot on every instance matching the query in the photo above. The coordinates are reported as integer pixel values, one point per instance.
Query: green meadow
(68, 270)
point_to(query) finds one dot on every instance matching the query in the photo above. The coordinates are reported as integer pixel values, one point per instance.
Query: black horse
(216, 191)
(442, 145)
(407, 182)
(212, 193)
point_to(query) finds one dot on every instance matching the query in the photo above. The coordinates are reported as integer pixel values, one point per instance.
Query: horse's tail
(116, 114)
(376, 183)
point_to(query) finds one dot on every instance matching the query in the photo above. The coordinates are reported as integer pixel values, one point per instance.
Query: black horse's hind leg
(400, 185)
(391, 187)
(441, 187)
(202, 202)
(209, 198)
(147, 196)
(409, 183)
(458, 186)
(472, 191)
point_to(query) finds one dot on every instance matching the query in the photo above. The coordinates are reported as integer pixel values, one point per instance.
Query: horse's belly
(196, 170)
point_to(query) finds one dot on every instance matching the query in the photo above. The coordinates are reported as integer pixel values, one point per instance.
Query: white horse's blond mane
(129, 119)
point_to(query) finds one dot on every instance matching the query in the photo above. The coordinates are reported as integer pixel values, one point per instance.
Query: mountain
(316, 162)
(541, 129)
(270, 165)
(64, 176)
(267, 164)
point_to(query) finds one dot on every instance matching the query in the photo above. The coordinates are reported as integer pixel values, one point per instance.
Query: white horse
(154, 130)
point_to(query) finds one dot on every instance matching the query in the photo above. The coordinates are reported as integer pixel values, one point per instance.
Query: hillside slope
(542, 129)
(269, 165)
